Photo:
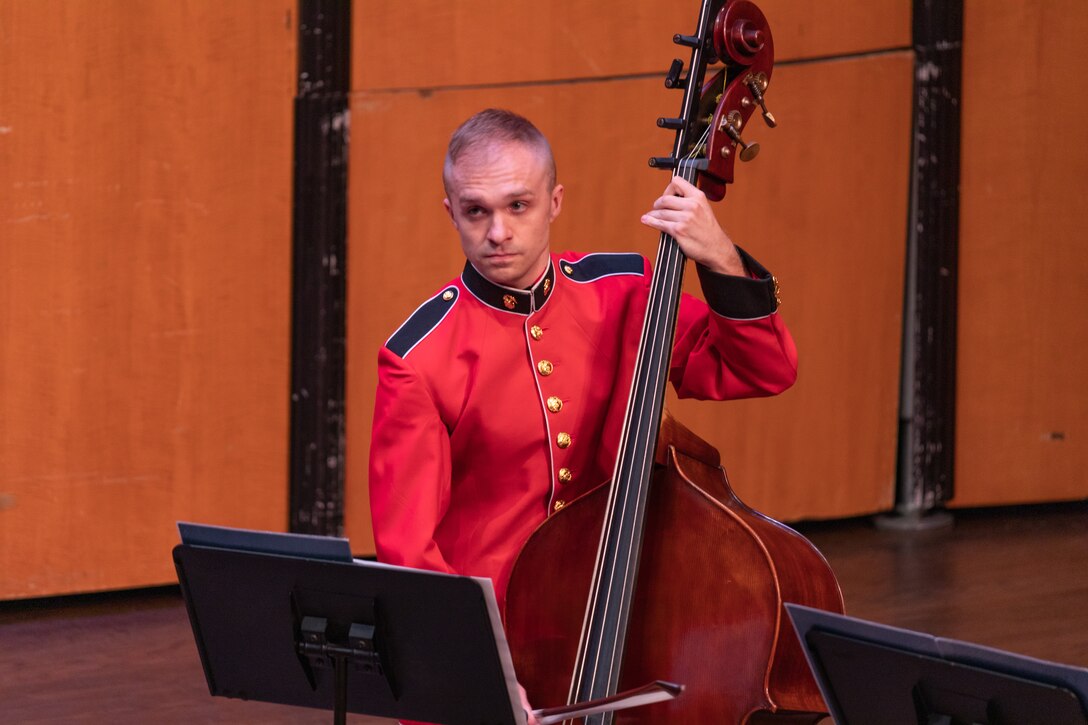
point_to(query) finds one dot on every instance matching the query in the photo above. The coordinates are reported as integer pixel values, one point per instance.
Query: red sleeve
(737, 346)
(409, 468)
(719, 358)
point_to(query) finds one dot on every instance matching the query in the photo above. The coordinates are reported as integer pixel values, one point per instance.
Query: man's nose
(499, 231)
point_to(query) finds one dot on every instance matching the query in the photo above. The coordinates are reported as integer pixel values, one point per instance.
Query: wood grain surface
(1022, 405)
(415, 44)
(145, 169)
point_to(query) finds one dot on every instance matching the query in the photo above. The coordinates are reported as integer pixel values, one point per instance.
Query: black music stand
(295, 620)
(873, 673)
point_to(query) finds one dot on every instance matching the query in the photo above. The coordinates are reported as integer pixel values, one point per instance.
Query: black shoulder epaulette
(603, 264)
(422, 322)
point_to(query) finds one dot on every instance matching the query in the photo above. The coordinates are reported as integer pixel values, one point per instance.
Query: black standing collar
(508, 299)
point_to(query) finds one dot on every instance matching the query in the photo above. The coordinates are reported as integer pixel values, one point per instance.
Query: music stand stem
(340, 707)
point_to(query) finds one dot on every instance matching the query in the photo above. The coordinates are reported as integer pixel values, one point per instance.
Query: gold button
(563, 440)
(564, 475)
(559, 504)
(555, 404)
(536, 331)
(447, 295)
(509, 301)
(568, 269)
(545, 367)
(547, 286)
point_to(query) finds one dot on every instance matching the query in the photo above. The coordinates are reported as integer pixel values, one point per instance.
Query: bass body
(707, 609)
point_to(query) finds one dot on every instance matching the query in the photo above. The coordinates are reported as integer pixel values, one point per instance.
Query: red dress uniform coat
(496, 406)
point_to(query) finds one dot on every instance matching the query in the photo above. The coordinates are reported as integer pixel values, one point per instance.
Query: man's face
(501, 202)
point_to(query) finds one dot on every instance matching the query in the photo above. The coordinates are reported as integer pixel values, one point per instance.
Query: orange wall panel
(434, 44)
(145, 162)
(1022, 410)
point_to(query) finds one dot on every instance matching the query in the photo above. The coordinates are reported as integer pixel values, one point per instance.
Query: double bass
(688, 583)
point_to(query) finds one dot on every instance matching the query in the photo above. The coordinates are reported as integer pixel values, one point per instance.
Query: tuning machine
(731, 123)
(672, 78)
(667, 163)
(757, 83)
(691, 41)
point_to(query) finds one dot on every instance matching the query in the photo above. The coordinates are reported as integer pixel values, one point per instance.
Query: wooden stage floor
(1013, 578)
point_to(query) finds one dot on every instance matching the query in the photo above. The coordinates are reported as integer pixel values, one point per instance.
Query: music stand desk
(294, 620)
(872, 673)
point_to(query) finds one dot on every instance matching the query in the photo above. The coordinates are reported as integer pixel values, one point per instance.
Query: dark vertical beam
(928, 392)
(318, 283)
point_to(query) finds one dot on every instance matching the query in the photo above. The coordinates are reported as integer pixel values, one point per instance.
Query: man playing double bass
(502, 397)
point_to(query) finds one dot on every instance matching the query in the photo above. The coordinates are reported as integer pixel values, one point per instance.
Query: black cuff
(740, 298)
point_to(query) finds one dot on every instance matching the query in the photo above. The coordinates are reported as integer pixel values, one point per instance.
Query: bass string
(664, 297)
(657, 341)
(623, 562)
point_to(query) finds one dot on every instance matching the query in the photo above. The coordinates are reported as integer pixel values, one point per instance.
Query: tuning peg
(756, 85)
(691, 41)
(672, 78)
(662, 162)
(731, 125)
(673, 123)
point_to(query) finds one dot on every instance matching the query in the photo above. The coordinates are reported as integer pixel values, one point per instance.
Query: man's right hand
(530, 718)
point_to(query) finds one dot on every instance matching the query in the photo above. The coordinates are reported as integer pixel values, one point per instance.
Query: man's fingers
(679, 186)
(661, 225)
(651, 221)
(529, 716)
(671, 201)
(671, 215)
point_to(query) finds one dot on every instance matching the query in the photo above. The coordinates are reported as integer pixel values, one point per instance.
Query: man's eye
(518, 205)
(474, 211)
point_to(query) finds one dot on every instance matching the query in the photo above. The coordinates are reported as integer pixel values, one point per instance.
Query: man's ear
(449, 210)
(557, 202)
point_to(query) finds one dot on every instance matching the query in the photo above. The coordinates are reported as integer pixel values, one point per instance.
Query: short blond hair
(491, 126)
